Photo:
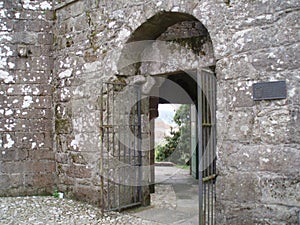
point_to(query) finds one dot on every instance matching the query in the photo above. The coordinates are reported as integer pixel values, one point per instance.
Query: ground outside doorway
(175, 200)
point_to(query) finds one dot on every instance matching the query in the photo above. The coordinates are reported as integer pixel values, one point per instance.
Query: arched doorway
(175, 48)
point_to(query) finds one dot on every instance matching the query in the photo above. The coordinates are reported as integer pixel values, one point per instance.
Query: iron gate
(207, 147)
(120, 163)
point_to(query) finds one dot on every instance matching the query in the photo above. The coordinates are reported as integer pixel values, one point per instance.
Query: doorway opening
(191, 99)
(177, 67)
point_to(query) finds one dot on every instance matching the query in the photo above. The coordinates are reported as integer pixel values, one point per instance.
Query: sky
(167, 112)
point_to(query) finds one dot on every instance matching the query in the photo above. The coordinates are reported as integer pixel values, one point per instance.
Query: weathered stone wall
(253, 41)
(258, 148)
(85, 38)
(258, 142)
(27, 163)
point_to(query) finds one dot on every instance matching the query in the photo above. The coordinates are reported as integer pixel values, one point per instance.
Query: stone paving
(175, 200)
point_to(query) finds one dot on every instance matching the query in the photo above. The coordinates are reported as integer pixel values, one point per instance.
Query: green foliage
(177, 147)
(56, 194)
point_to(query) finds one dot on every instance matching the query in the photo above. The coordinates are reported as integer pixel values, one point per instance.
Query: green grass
(185, 167)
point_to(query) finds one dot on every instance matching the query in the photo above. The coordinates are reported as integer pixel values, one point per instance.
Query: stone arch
(169, 45)
(157, 28)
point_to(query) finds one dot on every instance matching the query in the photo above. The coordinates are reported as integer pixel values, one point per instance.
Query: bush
(177, 147)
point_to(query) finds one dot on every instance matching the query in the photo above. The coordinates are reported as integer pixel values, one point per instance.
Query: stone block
(293, 90)
(78, 158)
(13, 155)
(26, 89)
(19, 25)
(38, 26)
(40, 51)
(41, 63)
(40, 180)
(239, 187)
(294, 126)
(87, 193)
(278, 159)
(25, 37)
(16, 180)
(33, 140)
(232, 95)
(86, 124)
(42, 154)
(280, 190)
(4, 182)
(77, 9)
(249, 213)
(271, 124)
(277, 59)
(63, 142)
(80, 23)
(39, 166)
(85, 142)
(237, 67)
(33, 125)
(235, 125)
(63, 126)
(34, 114)
(32, 77)
(78, 171)
(21, 63)
(62, 158)
(45, 38)
(12, 167)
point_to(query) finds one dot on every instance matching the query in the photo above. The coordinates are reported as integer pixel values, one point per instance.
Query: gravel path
(50, 210)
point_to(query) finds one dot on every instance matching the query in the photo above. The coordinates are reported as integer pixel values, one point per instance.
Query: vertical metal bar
(214, 140)
(204, 142)
(108, 148)
(139, 145)
(101, 150)
(207, 141)
(209, 147)
(119, 153)
(135, 193)
(211, 144)
(127, 155)
(113, 143)
(124, 147)
(199, 127)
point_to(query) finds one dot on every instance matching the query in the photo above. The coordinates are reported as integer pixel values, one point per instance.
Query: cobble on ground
(34, 210)
(50, 210)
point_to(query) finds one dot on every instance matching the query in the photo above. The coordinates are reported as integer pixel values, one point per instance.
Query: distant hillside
(162, 130)
(164, 123)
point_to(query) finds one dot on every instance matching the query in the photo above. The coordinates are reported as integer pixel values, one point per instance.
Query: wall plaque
(269, 90)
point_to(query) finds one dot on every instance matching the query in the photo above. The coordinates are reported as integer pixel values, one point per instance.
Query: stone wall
(26, 126)
(86, 51)
(253, 41)
(258, 142)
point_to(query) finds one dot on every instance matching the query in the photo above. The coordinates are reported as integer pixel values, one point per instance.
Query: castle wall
(258, 141)
(27, 163)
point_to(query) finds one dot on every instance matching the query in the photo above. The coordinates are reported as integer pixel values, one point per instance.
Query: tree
(177, 147)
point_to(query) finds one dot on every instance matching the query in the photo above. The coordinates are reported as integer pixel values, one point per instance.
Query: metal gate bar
(120, 163)
(207, 147)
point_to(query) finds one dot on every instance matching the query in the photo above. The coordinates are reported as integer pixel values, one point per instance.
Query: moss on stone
(194, 43)
(62, 126)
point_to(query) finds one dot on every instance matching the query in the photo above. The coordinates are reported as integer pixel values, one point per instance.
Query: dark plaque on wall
(269, 90)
